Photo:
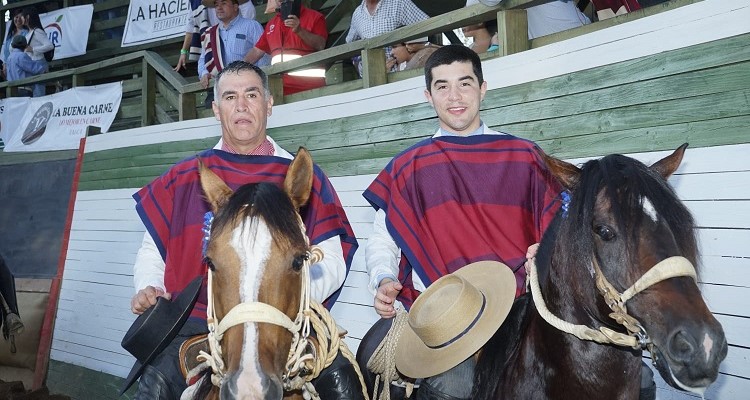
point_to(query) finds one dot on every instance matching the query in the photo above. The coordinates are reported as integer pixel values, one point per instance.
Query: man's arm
(313, 40)
(30, 66)
(254, 55)
(381, 257)
(148, 276)
(184, 51)
(327, 276)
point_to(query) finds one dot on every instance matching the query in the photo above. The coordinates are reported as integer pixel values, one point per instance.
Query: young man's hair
(449, 54)
(235, 68)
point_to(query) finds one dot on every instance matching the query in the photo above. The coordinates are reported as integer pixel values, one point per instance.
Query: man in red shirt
(292, 38)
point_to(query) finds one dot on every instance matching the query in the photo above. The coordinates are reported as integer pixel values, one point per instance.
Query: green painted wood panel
(699, 94)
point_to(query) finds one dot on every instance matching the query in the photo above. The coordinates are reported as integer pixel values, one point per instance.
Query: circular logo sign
(38, 124)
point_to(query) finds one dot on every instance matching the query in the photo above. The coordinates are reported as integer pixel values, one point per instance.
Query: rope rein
(637, 338)
(383, 360)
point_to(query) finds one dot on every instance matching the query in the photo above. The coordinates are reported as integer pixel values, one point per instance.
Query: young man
(172, 209)
(291, 38)
(20, 65)
(466, 194)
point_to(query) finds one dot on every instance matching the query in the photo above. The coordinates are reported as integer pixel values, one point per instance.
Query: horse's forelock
(265, 200)
(627, 183)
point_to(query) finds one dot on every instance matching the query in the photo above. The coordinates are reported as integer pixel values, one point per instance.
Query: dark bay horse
(616, 265)
(257, 242)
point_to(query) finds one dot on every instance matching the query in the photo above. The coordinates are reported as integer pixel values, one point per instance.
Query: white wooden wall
(93, 312)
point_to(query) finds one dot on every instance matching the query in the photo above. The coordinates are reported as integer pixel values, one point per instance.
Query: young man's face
(456, 95)
(243, 109)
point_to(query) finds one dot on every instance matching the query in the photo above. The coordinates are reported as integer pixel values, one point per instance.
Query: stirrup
(14, 324)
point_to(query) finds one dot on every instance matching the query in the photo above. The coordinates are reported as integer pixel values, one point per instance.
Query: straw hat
(454, 318)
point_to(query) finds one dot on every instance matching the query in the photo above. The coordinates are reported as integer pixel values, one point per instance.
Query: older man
(172, 209)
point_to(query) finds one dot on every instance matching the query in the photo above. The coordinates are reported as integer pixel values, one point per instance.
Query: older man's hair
(235, 68)
(449, 54)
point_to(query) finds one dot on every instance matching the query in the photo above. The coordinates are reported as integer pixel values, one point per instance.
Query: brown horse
(257, 254)
(615, 276)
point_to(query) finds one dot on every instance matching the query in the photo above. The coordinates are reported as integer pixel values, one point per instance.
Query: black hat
(18, 42)
(153, 330)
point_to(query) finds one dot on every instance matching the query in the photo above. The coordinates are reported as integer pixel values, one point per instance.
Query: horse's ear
(566, 173)
(299, 178)
(217, 192)
(668, 165)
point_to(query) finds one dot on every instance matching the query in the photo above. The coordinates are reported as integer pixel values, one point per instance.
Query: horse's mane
(265, 200)
(626, 182)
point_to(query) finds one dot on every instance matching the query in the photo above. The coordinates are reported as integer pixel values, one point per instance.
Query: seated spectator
(203, 15)
(553, 17)
(410, 55)
(483, 35)
(292, 38)
(20, 65)
(376, 17)
(544, 19)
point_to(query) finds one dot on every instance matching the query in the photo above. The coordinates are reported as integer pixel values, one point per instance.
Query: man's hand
(292, 23)
(204, 80)
(386, 296)
(146, 298)
(530, 254)
(181, 62)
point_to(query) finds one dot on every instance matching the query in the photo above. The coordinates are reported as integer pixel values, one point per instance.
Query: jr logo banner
(153, 20)
(57, 121)
(68, 29)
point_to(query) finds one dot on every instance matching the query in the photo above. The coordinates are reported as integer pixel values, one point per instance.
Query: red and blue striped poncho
(450, 201)
(172, 208)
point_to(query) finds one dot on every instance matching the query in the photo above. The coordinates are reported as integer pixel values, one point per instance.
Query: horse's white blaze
(708, 345)
(648, 209)
(252, 242)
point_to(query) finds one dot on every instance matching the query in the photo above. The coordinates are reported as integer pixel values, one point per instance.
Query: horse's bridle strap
(670, 267)
(255, 312)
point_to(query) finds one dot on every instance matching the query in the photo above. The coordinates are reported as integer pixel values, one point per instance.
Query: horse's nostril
(273, 389)
(682, 346)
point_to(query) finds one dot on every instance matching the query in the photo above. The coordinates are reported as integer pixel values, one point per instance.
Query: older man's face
(226, 10)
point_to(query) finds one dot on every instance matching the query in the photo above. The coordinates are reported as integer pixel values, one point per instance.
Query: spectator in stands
(203, 15)
(292, 38)
(546, 19)
(411, 54)
(376, 17)
(228, 41)
(17, 28)
(20, 65)
(167, 264)
(38, 44)
(483, 35)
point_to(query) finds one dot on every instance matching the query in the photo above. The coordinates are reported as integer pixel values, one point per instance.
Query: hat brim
(498, 284)
(212, 3)
(183, 302)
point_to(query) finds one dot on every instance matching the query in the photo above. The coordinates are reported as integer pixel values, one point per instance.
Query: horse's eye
(604, 232)
(298, 262)
(209, 263)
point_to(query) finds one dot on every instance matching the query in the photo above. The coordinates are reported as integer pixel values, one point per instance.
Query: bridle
(299, 352)
(636, 338)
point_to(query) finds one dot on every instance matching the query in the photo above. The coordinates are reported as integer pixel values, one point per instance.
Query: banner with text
(57, 121)
(68, 29)
(150, 21)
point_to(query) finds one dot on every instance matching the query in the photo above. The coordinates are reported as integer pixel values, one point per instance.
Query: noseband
(637, 338)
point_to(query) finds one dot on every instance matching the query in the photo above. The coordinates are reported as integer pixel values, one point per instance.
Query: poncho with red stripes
(450, 201)
(172, 208)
